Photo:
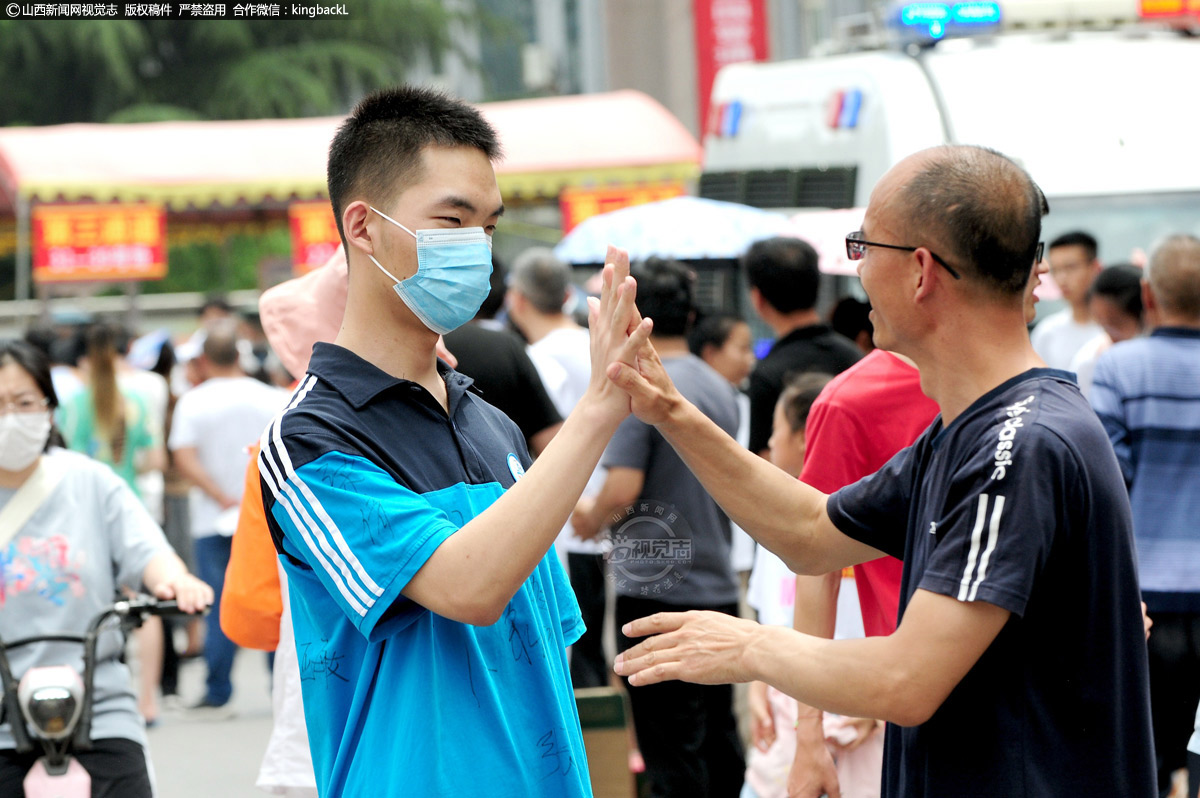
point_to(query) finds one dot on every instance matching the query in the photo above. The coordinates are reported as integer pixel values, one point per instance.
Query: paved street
(195, 759)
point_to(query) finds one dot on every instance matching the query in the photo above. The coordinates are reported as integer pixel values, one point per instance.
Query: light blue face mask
(454, 267)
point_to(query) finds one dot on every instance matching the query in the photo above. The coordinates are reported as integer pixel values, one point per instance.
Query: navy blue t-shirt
(1020, 503)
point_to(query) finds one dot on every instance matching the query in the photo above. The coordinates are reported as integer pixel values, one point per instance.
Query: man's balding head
(1174, 276)
(220, 343)
(541, 278)
(977, 208)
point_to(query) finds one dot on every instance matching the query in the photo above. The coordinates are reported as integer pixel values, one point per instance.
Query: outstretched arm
(786, 516)
(902, 678)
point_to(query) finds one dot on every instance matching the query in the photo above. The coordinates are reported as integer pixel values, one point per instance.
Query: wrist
(597, 413)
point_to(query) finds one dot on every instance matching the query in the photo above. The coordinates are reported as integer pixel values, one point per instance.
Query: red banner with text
(727, 32)
(88, 242)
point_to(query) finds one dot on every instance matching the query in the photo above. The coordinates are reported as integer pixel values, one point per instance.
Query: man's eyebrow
(465, 204)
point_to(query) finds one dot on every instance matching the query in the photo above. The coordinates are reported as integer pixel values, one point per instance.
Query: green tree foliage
(60, 71)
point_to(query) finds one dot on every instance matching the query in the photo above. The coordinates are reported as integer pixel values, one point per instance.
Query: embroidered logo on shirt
(1003, 457)
(514, 466)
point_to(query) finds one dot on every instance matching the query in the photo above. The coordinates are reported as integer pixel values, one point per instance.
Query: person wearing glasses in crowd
(1018, 666)
(72, 533)
(1074, 266)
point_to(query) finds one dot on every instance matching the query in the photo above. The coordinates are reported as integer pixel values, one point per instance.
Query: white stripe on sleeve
(976, 533)
(993, 536)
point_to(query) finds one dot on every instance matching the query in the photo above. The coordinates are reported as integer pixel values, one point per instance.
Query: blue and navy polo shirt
(364, 475)
(1019, 502)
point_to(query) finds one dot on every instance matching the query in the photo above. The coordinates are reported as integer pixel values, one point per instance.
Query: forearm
(778, 511)
(163, 569)
(509, 539)
(859, 678)
(621, 488)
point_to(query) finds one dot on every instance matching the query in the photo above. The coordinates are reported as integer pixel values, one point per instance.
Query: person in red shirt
(864, 416)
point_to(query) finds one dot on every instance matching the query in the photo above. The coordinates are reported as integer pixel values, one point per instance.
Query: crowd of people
(477, 493)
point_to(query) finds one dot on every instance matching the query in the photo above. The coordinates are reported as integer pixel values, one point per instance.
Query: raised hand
(651, 393)
(611, 320)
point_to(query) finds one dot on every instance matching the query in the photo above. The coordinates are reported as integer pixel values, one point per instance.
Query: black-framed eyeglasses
(856, 249)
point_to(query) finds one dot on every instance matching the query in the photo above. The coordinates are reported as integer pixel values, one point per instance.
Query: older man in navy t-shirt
(1018, 667)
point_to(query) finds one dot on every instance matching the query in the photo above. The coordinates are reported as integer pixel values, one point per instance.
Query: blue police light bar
(933, 21)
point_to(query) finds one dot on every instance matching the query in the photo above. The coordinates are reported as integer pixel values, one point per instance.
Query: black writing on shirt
(521, 638)
(555, 757)
(319, 663)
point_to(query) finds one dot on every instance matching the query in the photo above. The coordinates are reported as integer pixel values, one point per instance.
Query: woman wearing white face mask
(71, 534)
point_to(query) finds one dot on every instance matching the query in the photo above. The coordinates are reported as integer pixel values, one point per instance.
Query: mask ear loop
(391, 276)
(393, 221)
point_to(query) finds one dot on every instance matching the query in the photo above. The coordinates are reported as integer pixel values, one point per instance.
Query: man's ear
(926, 274)
(355, 217)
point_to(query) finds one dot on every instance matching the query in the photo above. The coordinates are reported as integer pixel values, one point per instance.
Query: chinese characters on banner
(727, 32)
(86, 242)
(578, 204)
(314, 235)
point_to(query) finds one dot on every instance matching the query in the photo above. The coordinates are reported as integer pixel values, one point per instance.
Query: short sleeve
(630, 446)
(875, 509)
(995, 534)
(183, 424)
(134, 537)
(363, 535)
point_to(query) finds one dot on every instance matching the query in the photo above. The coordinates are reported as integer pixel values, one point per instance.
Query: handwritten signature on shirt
(318, 663)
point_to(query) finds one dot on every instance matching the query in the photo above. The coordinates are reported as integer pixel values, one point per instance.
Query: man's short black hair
(665, 293)
(980, 211)
(712, 329)
(1078, 238)
(379, 146)
(1120, 284)
(784, 270)
(850, 317)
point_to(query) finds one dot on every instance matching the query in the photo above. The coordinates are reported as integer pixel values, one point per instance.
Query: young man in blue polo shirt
(431, 624)
(1018, 667)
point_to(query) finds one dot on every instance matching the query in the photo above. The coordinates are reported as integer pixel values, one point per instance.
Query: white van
(1103, 112)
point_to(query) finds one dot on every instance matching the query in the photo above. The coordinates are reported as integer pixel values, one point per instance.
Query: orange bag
(251, 604)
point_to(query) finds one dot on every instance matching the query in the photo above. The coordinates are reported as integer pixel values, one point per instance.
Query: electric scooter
(51, 706)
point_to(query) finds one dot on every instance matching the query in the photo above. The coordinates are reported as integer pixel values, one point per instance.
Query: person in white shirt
(538, 287)
(213, 426)
(1073, 265)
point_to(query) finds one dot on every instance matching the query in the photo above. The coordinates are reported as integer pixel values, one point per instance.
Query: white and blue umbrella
(684, 228)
